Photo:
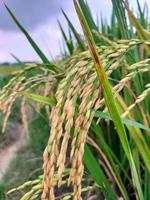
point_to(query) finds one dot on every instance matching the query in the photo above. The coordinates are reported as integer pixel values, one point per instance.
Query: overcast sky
(40, 17)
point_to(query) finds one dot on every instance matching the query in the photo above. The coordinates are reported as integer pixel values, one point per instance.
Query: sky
(39, 17)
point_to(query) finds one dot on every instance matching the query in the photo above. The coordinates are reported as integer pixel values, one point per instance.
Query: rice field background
(80, 124)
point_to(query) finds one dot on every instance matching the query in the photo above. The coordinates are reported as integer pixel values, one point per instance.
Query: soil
(10, 146)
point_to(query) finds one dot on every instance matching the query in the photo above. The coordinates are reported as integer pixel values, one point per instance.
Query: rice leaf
(75, 33)
(125, 121)
(147, 186)
(142, 17)
(112, 158)
(68, 43)
(97, 174)
(45, 60)
(87, 13)
(45, 100)
(119, 11)
(17, 60)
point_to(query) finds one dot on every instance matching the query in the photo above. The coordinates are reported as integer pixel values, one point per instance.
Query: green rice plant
(68, 42)
(79, 41)
(97, 107)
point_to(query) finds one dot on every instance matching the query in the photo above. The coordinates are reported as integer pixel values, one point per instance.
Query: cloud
(30, 13)
(39, 17)
(15, 42)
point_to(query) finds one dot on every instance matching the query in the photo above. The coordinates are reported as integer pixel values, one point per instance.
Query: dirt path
(10, 146)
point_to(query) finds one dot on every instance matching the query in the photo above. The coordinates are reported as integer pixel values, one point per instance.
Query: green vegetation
(26, 166)
(95, 102)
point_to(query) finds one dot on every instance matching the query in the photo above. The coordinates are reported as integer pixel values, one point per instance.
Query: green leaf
(45, 100)
(47, 63)
(75, 33)
(88, 15)
(147, 186)
(97, 174)
(142, 18)
(99, 136)
(125, 121)
(17, 60)
(119, 11)
(68, 43)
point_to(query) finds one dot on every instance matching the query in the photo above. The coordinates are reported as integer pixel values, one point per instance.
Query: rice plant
(97, 103)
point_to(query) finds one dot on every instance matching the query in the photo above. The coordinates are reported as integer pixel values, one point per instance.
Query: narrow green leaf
(112, 158)
(17, 60)
(147, 186)
(88, 15)
(45, 100)
(75, 33)
(68, 43)
(98, 174)
(33, 44)
(125, 121)
(142, 18)
(119, 11)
